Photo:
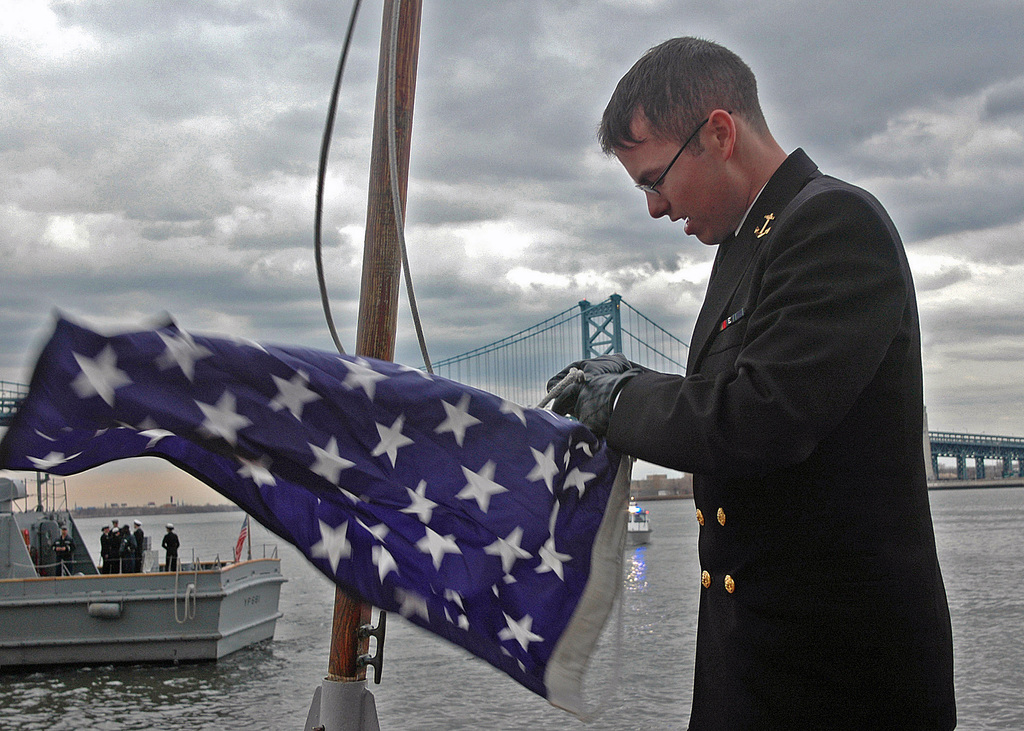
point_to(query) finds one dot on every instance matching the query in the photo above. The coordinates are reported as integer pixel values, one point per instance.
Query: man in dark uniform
(170, 544)
(64, 553)
(127, 550)
(105, 549)
(140, 544)
(115, 547)
(800, 417)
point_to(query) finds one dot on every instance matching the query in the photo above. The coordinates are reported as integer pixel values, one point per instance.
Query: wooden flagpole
(378, 299)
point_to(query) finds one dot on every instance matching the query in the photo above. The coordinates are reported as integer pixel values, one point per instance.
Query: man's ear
(721, 135)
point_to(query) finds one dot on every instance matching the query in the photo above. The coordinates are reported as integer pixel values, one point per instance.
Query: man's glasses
(653, 187)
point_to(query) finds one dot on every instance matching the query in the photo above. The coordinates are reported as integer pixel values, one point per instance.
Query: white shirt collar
(747, 212)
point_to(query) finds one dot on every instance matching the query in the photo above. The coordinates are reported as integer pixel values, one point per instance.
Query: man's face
(699, 189)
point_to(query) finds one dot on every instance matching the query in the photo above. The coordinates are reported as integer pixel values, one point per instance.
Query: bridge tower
(601, 326)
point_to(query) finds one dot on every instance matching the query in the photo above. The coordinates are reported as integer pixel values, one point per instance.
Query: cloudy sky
(161, 157)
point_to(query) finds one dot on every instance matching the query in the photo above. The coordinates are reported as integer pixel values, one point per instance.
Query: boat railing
(51, 496)
(268, 550)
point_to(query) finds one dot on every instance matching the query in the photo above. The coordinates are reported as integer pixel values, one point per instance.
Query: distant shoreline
(129, 511)
(114, 511)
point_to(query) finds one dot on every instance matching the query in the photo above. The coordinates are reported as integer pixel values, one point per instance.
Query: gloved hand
(614, 363)
(590, 399)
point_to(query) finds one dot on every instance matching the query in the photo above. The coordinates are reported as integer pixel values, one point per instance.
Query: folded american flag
(478, 519)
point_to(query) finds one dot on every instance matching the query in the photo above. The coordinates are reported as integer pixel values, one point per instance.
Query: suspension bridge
(518, 366)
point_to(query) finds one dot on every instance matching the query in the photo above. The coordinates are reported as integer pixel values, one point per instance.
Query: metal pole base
(342, 706)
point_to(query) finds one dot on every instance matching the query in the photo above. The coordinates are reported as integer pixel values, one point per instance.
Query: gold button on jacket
(721, 517)
(730, 585)
(700, 517)
(705, 579)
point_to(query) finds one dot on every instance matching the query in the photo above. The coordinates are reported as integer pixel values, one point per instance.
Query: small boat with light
(638, 527)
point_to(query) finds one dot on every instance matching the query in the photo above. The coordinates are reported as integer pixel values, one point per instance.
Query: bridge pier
(601, 327)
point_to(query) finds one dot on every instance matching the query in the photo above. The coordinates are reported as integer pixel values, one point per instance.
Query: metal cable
(396, 203)
(325, 147)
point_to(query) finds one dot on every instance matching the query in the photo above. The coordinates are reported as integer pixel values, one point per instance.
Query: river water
(640, 679)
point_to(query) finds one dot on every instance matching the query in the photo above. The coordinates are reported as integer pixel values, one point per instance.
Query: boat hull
(638, 526)
(188, 616)
(638, 537)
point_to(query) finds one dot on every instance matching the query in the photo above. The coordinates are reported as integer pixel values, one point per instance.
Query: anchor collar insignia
(781, 189)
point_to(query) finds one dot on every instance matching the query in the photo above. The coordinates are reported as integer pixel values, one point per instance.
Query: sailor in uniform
(822, 605)
(64, 552)
(106, 552)
(170, 544)
(140, 544)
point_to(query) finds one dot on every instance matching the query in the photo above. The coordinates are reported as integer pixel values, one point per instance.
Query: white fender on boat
(105, 610)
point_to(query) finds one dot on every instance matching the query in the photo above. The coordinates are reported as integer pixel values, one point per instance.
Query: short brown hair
(675, 85)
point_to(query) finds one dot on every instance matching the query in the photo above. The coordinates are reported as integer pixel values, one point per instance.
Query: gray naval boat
(201, 612)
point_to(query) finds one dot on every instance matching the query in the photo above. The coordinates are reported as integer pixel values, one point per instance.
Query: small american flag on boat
(242, 536)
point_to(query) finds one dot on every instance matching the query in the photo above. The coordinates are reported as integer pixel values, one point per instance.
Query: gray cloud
(161, 157)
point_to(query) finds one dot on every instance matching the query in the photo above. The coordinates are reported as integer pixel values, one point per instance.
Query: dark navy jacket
(801, 419)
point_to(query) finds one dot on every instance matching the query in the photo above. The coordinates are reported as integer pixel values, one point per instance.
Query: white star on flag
(181, 351)
(417, 371)
(521, 631)
(329, 463)
(222, 420)
(508, 548)
(293, 394)
(333, 544)
(551, 559)
(51, 460)
(458, 420)
(461, 620)
(247, 342)
(378, 531)
(437, 546)
(258, 471)
(99, 376)
(481, 485)
(360, 375)
(384, 561)
(391, 440)
(420, 505)
(454, 597)
(578, 479)
(155, 435)
(546, 468)
(511, 407)
(411, 603)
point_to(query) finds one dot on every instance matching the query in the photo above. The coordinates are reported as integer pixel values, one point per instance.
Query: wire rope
(325, 148)
(393, 175)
